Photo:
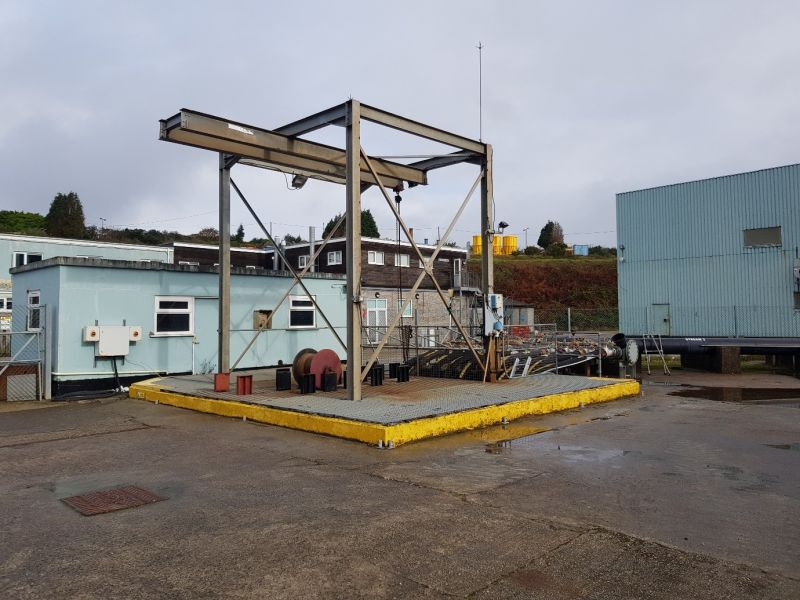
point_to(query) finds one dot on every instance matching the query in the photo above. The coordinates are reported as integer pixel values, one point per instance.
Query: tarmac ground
(695, 495)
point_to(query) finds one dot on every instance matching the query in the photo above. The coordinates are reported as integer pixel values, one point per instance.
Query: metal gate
(25, 364)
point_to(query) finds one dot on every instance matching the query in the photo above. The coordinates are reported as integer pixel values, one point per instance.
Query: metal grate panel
(96, 503)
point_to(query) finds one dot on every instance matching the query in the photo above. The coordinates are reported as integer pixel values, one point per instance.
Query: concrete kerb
(389, 435)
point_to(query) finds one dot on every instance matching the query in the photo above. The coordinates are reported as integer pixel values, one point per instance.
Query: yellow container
(477, 244)
(497, 245)
(510, 244)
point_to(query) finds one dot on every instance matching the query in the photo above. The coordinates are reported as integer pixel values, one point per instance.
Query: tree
(65, 217)
(292, 239)
(558, 233)
(368, 226)
(551, 233)
(13, 221)
(556, 249)
(239, 237)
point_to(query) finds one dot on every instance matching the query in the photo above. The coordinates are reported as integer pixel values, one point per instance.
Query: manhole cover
(96, 503)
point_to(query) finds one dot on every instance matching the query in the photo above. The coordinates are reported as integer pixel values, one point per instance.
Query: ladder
(659, 349)
(515, 372)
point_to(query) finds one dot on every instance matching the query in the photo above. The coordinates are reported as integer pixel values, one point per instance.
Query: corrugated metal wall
(684, 247)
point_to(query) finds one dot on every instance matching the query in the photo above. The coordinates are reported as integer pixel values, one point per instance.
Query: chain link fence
(22, 356)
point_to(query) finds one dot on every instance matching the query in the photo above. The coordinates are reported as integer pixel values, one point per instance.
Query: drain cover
(96, 503)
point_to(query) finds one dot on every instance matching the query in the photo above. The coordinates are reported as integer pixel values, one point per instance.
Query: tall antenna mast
(480, 91)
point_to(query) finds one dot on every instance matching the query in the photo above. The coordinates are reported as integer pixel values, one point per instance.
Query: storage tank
(497, 245)
(510, 244)
(477, 245)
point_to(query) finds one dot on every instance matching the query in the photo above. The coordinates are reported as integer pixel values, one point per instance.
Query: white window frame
(302, 261)
(293, 307)
(375, 257)
(409, 311)
(34, 307)
(25, 256)
(173, 311)
(189, 263)
(335, 257)
(399, 259)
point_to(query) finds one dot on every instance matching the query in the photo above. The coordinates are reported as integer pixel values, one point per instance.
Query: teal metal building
(174, 308)
(716, 257)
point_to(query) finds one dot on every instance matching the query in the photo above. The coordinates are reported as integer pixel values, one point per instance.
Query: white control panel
(112, 340)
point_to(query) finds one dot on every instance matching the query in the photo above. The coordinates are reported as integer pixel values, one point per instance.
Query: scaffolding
(282, 149)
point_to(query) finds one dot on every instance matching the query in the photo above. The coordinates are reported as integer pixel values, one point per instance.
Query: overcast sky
(580, 100)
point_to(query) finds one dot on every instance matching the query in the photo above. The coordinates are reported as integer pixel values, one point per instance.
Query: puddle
(793, 446)
(767, 396)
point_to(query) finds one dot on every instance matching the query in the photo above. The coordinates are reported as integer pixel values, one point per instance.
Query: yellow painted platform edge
(400, 433)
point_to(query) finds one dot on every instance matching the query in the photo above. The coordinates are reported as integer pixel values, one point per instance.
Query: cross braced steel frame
(282, 149)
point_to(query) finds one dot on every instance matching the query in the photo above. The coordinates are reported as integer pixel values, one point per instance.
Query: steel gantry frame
(282, 149)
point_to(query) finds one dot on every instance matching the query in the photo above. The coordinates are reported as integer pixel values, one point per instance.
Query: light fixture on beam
(299, 181)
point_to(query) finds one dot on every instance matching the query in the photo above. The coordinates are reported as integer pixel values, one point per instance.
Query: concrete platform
(391, 414)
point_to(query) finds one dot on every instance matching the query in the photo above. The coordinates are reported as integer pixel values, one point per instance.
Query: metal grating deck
(391, 403)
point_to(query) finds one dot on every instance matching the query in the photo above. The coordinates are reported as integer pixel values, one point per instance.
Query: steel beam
(224, 328)
(487, 257)
(447, 160)
(388, 119)
(353, 249)
(214, 133)
(331, 116)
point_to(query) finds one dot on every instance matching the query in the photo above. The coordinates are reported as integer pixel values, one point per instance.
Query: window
(421, 265)
(189, 263)
(23, 258)
(763, 236)
(174, 315)
(401, 260)
(34, 321)
(409, 311)
(376, 319)
(262, 320)
(302, 313)
(335, 257)
(250, 267)
(302, 261)
(375, 257)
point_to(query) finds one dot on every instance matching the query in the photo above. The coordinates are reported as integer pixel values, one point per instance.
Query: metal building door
(660, 321)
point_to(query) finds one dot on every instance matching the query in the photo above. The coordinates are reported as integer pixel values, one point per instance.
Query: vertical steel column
(487, 258)
(224, 328)
(353, 249)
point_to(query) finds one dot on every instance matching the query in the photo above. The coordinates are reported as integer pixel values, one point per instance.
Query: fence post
(569, 319)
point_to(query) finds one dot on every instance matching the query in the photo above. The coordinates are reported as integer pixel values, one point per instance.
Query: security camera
(501, 226)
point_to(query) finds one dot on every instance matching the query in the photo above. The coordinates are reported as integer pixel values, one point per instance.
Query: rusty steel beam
(274, 149)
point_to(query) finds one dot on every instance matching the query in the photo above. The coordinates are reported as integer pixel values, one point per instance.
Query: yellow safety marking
(400, 433)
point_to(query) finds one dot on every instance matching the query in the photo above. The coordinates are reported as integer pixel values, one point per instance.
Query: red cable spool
(325, 361)
(302, 363)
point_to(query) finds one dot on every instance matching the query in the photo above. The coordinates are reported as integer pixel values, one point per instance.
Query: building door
(376, 319)
(660, 322)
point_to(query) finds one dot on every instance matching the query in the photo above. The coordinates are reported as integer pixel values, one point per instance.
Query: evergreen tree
(546, 235)
(239, 237)
(369, 228)
(65, 218)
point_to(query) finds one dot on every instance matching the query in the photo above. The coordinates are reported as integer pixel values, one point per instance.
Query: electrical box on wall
(493, 315)
(111, 340)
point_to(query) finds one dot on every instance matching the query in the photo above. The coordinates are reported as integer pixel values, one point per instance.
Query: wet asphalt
(683, 492)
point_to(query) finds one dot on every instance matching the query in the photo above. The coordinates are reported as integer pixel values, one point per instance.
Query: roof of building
(68, 261)
(214, 247)
(75, 242)
(377, 241)
(654, 187)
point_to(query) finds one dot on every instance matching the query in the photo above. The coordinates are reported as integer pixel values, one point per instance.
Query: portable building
(175, 308)
(716, 257)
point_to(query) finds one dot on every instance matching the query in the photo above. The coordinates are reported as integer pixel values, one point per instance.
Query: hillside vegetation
(555, 282)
